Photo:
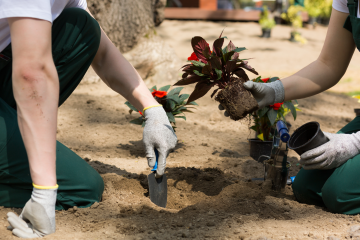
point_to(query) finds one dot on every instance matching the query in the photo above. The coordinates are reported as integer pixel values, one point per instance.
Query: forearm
(331, 65)
(36, 91)
(313, 79)
(37, 102)
(120, 75)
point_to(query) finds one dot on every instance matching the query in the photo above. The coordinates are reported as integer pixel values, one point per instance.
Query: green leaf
(165, 88)
(131, 106)
(253, 128)
(225, 37)
(198, 73)
(170, 117)
(291, 106)
(171, 104)
(181, 108)
(176, 113)
(296, 101)
(272, 115)
(137, 121)
(197, 64)
(187, 110)
(143, 124)
(183, 97)
(175, 91)
(263, 111)
(154, 87)
(218, 73)
(273, 79)
(193, 103)
(239, 49)
(183, 117)
(174, 98)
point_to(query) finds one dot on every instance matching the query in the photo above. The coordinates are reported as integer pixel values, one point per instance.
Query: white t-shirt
(341, 6)
(47, 10)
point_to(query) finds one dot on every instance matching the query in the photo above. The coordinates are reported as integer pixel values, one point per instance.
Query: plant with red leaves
(266, 118)
(172, 101)
(222, 68)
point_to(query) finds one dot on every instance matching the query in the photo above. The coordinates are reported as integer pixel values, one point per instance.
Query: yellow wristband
(43, 187)
(152, 107)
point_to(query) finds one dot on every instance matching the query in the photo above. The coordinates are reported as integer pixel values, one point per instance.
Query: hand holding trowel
(157, 186)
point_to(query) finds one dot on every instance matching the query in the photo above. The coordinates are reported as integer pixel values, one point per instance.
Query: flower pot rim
(301, 128)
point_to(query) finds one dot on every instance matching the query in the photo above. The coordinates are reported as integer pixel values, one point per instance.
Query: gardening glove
(159, 134)
(265, 93)
(38, 216)
(332, 154)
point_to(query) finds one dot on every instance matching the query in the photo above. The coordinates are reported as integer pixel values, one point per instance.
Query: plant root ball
(237, 100)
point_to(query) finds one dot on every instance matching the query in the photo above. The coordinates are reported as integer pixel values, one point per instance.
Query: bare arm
(120, 75)
(331, 65)
(36, 91)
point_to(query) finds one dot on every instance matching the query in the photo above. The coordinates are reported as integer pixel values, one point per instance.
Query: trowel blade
(158, 189)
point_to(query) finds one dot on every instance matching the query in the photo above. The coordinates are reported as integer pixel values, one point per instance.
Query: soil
(237, 101)
(213, 191)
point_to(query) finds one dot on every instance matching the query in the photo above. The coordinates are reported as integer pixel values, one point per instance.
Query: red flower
(276, 106)
(140, 113)
(265, 79)
(159, 94)
(193, 57)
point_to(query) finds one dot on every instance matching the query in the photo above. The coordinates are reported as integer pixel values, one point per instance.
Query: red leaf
(199, 45)
(230, 66)
(217, 47)
(241, 74)
(207, 69)
(230, 47)
(235, 56)
(216, 62)
(188, 80)
(200, 90)
(215, 91)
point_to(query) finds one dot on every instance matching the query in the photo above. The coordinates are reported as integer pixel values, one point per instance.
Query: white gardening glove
(265, 93)
(159, 134)
(38, 216)
(332, 154)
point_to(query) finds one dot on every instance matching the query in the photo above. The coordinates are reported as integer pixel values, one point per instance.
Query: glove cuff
(278, 87)
(45, 187)
(159, 105)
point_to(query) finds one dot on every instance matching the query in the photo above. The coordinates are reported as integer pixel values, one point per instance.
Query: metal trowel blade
(158, 189)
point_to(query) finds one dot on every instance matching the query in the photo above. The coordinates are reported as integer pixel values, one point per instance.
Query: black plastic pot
(307, 137)
(357, 111)
(259, 149)
(266, 33)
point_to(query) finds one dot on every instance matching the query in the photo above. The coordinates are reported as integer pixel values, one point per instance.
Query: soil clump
(237, 101)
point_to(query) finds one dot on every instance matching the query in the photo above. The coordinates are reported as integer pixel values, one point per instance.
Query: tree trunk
(130, 24)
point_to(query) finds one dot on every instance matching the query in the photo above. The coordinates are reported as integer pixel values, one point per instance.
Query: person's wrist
(279, 90)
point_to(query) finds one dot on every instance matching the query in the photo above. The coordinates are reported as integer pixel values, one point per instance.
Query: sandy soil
(211, 194)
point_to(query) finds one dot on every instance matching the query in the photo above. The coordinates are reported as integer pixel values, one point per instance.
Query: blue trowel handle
(283, 131)
(157, 158)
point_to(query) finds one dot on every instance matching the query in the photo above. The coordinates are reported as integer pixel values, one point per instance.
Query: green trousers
(336, 189)
(75, 41)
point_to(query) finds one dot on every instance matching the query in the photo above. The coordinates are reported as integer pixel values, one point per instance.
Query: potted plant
(173, 103)
(314, 9)
(266, 22)
(221, 68)
(293, 15)
(264, 124)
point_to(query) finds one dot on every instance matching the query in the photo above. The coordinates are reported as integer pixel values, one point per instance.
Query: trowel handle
(283, 131)
(157, 158)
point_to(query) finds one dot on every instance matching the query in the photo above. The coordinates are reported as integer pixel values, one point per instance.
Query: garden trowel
(157, 186)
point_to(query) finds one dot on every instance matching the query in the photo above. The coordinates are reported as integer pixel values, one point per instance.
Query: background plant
(173, 103)
(266, 118)
(314, 7)
(266, 19)
(293, 15)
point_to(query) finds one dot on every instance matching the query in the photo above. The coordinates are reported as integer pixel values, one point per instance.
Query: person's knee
(333, 197)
